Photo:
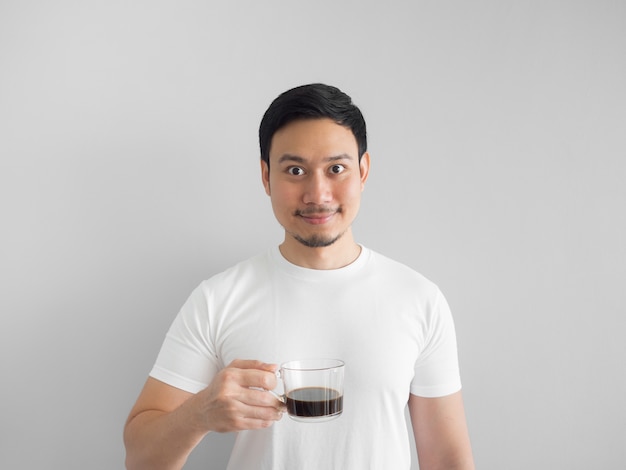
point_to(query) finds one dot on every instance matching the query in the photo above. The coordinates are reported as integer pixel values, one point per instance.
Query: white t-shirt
(390, 325)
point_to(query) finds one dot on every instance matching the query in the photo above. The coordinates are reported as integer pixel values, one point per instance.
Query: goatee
(317, 241)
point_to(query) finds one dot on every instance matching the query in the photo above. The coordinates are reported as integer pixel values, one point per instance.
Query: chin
(317, 240)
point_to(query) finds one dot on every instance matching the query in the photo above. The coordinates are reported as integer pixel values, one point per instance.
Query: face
(315, 181)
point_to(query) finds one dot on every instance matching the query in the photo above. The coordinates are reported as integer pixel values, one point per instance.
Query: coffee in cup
(313, 389)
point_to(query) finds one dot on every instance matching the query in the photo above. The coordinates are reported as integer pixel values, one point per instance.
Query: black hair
(314, 101)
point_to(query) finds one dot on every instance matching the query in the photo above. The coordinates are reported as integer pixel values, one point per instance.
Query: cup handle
(280, 398)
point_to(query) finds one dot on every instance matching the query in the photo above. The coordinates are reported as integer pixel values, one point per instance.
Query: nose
(317, 190)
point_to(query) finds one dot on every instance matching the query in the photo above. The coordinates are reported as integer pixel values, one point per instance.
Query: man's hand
(236, 400)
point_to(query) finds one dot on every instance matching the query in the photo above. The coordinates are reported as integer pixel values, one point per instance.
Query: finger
(250, 378)
(258, 397)
(253, 364)
(242, 416)
(261, 413)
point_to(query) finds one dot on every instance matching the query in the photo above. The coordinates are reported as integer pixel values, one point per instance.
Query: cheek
(282, 196)
(353, 192)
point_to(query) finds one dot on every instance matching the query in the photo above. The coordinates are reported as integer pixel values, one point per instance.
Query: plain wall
(129, 172)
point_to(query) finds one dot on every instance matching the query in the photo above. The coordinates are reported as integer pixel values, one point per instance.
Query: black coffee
(314, 402)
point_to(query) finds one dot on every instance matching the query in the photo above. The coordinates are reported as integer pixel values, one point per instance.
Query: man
(319, 294)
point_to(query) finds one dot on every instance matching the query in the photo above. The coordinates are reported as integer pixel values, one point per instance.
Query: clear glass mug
(313, 389)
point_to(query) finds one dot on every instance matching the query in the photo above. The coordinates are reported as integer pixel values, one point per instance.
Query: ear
(265, 176)
(364, 166)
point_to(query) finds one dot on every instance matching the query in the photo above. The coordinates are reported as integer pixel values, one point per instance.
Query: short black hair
(313, 101)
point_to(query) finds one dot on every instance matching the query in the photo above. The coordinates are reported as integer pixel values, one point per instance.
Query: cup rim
(313, 364)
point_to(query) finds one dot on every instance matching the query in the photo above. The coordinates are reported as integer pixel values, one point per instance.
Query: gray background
(129, 172)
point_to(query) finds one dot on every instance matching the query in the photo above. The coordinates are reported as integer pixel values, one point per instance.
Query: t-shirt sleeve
(437, 367)
(187, 358)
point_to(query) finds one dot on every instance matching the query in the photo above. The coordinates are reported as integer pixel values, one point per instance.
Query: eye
(295, 171)
(336, 169)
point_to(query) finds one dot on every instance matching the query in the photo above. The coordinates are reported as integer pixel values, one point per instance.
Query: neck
(341, 253)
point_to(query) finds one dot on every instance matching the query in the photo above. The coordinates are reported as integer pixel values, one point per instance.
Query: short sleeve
(437, 367)
(187, 358)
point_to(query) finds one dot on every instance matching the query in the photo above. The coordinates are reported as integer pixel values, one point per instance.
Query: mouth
(317, 216)
(317, 219)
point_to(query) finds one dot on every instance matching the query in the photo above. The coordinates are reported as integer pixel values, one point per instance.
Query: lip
(317, 219)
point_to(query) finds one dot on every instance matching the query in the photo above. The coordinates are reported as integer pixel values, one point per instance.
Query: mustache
(317, 210)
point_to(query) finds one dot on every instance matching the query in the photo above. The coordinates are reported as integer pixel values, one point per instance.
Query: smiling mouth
(317, 215)
(317, 219)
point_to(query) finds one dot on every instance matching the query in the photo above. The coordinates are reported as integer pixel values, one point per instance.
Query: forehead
(311, 138)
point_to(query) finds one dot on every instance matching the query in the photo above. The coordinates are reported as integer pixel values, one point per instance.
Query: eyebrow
(297, 159)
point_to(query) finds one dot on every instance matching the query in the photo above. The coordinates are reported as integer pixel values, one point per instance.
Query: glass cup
(313, 389)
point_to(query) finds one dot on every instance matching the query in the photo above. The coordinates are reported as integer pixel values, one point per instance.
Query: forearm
(451, 453)
(156, 440)
(453, 462)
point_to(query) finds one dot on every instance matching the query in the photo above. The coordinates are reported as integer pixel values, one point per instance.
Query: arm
(167, 423)
(441, 435)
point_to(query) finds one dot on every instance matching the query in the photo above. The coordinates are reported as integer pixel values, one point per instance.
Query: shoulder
(252, 270)
(395, 272)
